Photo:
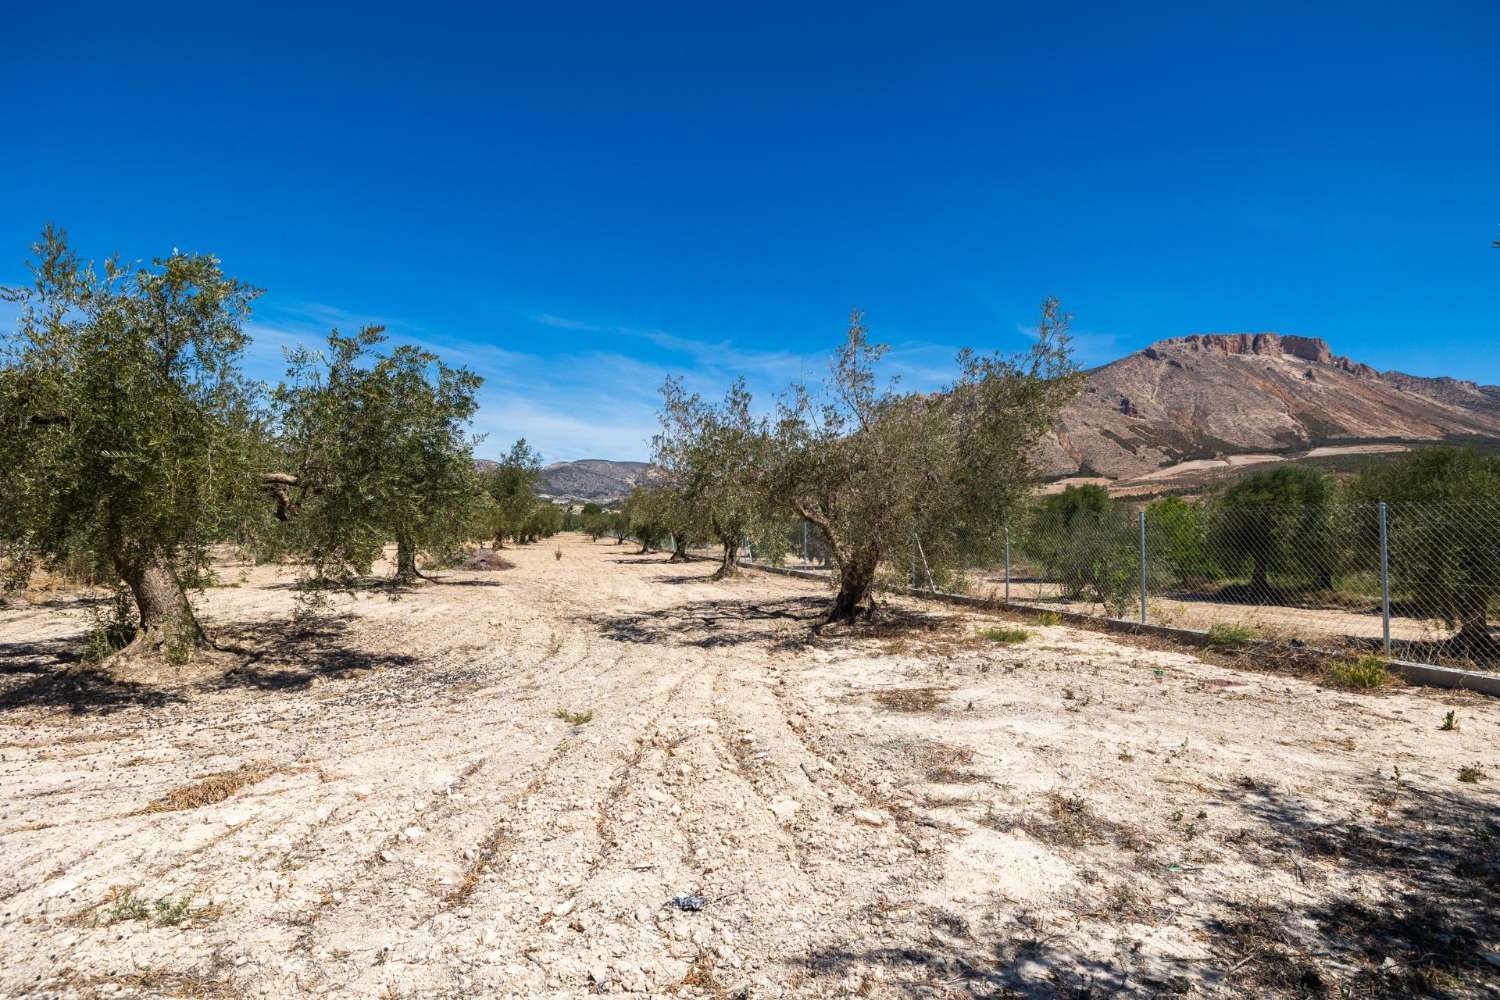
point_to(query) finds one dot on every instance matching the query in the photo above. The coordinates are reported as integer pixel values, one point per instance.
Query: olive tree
(912, 479)
(512, 484)
(1278, 519)
(716, 457)
(127, 431)
(1083, 538)
(375, 446)
(1444, 519)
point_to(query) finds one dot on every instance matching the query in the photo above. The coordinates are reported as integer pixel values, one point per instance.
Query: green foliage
(1227, 635)
(511, 489)
(1443, 522)
(379, 449)
(1177, 542)
(1089, 544)
(917, 479)
(1005, 634)
(1364, 672)
(713, 461)
(1450, 722)
(1277, 519)
(128, 434)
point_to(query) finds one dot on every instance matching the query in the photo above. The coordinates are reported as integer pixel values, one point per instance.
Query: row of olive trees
(886, 478)
(1291, 535)
(132, 442)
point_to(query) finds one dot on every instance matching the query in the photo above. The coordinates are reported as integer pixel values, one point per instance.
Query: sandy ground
(909, 810)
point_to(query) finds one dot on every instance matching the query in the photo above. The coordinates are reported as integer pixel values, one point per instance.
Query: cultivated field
(602, 773)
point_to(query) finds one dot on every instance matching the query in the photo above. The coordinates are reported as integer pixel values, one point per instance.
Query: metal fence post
(1143, 566)
(1385, 581)
(1007, 564)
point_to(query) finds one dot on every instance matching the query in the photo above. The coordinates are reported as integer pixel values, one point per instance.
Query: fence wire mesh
(1419, 582)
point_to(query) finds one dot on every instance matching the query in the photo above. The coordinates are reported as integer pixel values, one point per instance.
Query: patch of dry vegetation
(211, 788)
(913, 699)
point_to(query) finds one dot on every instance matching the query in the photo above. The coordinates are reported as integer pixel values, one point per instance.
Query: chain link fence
(1418, 582)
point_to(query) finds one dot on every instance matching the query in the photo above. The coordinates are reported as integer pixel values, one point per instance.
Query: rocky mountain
(1233, 398)
(591, 479)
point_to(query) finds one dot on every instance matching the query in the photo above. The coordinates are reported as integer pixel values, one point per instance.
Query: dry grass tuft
(1069, 821)
(211, 788)
(917, 699)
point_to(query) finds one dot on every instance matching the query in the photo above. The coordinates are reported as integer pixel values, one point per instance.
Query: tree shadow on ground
(709, 624)
(291, 654)
(79, 691)
(1399, 899)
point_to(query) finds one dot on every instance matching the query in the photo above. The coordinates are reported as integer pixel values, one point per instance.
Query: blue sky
(576, 201)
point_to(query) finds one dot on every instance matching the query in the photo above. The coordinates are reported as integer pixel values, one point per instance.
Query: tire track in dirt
(460, 850)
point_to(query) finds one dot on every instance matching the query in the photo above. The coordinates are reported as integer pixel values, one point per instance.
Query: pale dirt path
(917, 813)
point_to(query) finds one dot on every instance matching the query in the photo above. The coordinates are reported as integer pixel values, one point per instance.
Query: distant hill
(1235, 399)
(592, 479)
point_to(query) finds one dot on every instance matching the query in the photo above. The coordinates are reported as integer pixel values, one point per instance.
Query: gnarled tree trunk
(406, 561)
(679, 550)
(728, 561)
(856, 580)
(167, 620)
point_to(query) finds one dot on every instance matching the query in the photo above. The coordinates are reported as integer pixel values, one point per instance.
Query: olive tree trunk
(728, 561)
(406, 561)
(679, 549)
(167, 620)
(856, 571)
(1473, 637)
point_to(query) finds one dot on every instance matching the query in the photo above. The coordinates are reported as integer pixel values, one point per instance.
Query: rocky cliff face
(1221, 394)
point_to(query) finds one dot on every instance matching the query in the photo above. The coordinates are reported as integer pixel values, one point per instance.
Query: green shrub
(1225, 635)
(1005, 634)
(1362, 673)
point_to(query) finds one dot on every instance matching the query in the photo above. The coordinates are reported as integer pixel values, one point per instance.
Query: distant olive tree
(374, 446)
(1443, 521)
(1177, 534)
(128, 434)
(512, 486)
(911, 479)
(716, 457)
(1082, 538)
(1278, 519)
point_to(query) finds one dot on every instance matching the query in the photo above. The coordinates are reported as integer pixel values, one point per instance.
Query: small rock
(784, 809)
(690, 903)
(868, 817)
(564, 908)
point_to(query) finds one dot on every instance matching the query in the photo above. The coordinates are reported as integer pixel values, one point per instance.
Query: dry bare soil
(601, 774)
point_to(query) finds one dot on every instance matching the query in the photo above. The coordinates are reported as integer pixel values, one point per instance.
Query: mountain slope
(592, 479)
(1217, 395)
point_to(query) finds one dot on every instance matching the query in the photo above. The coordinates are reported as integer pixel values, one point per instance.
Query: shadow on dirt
(708, 624)
(288, 655)
(1400, 898)
(80, 692)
